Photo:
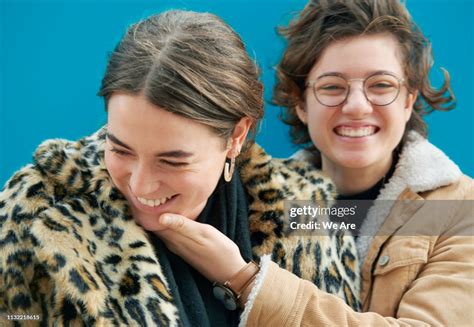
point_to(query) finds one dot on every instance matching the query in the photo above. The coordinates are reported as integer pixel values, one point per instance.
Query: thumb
(173, 221)
(183, 226)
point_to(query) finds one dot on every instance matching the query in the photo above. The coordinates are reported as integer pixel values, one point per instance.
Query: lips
(356, 131)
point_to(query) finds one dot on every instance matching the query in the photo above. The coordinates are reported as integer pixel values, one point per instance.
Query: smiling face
(357, 134)
(160, 162)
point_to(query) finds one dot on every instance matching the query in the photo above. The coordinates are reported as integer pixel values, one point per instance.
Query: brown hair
(325, 21)
(191, 64)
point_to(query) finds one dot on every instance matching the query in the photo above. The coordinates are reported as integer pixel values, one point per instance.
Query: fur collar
(100, 262)
(421, 167)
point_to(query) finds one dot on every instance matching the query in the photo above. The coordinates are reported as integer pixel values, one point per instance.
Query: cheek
(394, 126)
(196, 187)
(395, 119)
(206, 182)
(318, 124)
(202, 184)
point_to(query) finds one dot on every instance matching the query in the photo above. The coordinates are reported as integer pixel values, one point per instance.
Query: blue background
(53, 55)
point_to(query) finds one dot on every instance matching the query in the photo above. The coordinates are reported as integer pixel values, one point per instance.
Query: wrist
(232, 270)
(231, 291)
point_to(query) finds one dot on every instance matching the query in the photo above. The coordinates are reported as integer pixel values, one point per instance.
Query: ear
(239, 135)
(410, 102)
(302, 113)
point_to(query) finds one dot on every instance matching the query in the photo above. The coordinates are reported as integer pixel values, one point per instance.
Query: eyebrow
(331, 74)
(168, 154)
(344, 76)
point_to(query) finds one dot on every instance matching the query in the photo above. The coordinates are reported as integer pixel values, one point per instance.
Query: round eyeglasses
(380, 89)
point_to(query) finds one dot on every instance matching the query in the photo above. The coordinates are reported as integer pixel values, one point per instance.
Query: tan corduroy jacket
(417, 271)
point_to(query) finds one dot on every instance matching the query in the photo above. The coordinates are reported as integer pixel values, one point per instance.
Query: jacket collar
(421, 167)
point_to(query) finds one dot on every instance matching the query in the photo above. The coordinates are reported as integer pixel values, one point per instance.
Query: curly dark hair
(322, 22)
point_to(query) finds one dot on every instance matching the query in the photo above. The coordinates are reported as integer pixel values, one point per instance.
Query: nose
(143, 180)
(356, 104)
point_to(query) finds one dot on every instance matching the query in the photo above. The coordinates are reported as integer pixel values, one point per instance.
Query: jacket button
(384, 260)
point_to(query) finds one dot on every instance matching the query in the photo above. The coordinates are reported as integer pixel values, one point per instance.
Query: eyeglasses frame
(401, 82)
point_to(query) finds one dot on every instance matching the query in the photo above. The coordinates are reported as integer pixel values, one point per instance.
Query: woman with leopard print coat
(115, 229)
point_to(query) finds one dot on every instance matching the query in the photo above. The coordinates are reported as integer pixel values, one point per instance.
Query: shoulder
(271, 185)
(421, 168)
(72, 163)
(60, 170)
(460, 189)
(291, 179)
(59, 167)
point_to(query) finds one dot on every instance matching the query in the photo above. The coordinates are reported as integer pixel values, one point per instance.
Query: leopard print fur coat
(71, 252)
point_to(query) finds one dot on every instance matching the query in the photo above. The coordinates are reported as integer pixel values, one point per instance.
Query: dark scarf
(226, 210)
(364, 199)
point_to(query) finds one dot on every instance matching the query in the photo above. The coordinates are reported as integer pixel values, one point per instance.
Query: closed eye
(382, 85)
(119, 152)
(174, 164)
(331, 87)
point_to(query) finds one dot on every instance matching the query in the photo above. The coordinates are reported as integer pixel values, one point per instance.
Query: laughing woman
(86, 230)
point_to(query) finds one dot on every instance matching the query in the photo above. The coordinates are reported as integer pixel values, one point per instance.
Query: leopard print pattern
(329, 261)
(71, 252)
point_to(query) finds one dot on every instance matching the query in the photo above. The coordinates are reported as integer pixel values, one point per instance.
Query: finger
(182, 225)
(179, 240)
(172, 221)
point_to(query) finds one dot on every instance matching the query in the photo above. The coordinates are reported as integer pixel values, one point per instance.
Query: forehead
(359, 56)
(144, 126)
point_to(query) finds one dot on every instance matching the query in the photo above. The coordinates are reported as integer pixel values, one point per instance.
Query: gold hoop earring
(229, 169)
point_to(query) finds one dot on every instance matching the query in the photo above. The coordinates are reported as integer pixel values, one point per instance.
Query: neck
(350, 181)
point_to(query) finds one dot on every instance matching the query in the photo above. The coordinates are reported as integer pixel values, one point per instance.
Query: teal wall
(53, 55)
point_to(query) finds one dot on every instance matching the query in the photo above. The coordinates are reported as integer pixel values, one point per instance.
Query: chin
(355, 161)
(148, 223)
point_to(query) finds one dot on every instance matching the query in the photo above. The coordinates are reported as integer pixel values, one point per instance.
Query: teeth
(355, 131)
(153, 203)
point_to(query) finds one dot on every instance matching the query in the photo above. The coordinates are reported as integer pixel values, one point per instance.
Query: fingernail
(166, 220)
